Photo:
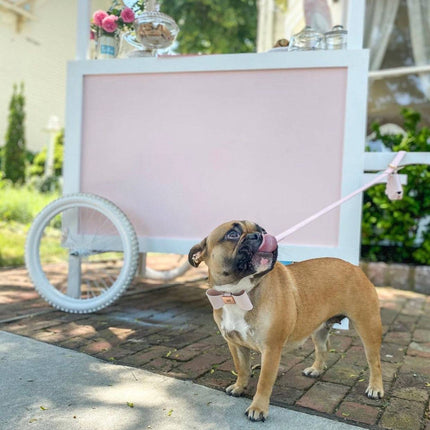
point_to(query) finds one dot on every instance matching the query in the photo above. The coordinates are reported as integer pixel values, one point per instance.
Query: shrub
(14, 153)
(18, 207)
(37, 167)
(21, 204)
(390, 229)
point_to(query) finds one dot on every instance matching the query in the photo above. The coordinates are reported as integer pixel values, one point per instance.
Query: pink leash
(394, 192)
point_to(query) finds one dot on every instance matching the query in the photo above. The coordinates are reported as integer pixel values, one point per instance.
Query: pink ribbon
(391, 169)
(393, 190)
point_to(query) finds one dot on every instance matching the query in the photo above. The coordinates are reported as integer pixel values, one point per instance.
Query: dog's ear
(197, 253)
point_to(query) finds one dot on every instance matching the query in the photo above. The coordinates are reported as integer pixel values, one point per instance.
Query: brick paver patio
(170, 330)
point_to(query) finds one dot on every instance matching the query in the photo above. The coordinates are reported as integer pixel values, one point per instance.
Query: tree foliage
(390, 230)
(214, 26)
(14, 153)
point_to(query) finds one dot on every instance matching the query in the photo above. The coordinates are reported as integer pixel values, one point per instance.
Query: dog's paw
(312, 372)
(235, 390)
(255, 413)
(374, 392)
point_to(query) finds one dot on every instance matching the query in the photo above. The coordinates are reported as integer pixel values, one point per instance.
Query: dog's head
(235, 250)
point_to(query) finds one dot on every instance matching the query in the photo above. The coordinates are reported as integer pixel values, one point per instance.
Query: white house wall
(37, 55)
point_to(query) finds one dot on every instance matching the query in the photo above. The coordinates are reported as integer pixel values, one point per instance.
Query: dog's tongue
(269, 243)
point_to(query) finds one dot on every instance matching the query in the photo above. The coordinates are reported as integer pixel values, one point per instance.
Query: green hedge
(37, 167)
(18, 207)
(36, 171)
(21, 203)
(389, 228)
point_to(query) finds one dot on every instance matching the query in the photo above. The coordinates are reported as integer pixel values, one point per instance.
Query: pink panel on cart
(183, 152)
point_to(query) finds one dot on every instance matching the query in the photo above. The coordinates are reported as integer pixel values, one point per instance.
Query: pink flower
(127, 15)
(110, 24)
(98, 17)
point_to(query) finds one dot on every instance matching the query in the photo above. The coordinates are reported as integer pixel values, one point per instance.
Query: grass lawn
(12, 240)
(18, 207)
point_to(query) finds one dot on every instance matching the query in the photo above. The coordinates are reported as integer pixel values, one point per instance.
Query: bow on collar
(394, 189)
(220, 298)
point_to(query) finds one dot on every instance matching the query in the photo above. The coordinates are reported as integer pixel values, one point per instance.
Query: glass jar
(107, 45)
(154, 29)
(336, 38)
(308, 39)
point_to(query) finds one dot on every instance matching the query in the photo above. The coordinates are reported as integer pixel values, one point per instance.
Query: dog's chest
(233, 320)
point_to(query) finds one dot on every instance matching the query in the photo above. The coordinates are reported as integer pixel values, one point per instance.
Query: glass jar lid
(336, 30)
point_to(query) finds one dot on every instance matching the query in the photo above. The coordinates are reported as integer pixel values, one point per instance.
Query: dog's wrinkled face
(235, 250)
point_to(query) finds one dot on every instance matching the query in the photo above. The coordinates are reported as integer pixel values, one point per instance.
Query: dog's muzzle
(257, 253)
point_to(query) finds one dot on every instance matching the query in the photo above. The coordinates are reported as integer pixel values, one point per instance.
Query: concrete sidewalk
(47, 387)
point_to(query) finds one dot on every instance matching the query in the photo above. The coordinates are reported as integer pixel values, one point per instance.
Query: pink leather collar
(220, 298)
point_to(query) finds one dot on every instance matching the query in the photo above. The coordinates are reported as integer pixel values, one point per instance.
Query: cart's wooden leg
(141, 265)
(74, 277)
(71, 221)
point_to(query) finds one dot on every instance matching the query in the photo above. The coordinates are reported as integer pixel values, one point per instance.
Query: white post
(74, 277)
(82, 29)
(53, 127)
(355, 23)
(70, 229)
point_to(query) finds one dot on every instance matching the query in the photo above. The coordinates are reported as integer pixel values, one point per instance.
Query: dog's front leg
(259, 408)
(241, 359)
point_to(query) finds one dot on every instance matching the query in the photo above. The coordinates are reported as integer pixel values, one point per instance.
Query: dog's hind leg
(370, 332)
(320, 339)
(241, 359)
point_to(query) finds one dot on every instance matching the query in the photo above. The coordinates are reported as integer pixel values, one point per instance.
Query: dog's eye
(232, 235)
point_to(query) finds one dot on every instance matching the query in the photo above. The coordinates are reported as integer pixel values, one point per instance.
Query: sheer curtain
(419, 24)
(270, 25)
(379, 22)
(318, 15)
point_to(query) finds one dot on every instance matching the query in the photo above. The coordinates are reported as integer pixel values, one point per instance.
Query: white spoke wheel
(81, 253)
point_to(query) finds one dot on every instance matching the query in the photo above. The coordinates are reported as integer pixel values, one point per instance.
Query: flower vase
(107, 46)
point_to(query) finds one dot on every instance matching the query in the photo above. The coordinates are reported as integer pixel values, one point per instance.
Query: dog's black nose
(254, 236)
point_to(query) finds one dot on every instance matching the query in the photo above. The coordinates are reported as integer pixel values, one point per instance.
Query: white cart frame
(297, 158)
(353, 62)
(355, 59)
